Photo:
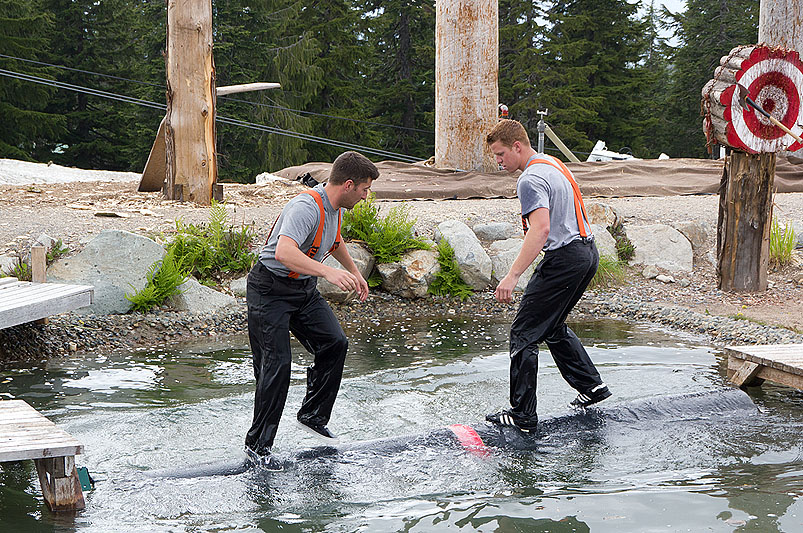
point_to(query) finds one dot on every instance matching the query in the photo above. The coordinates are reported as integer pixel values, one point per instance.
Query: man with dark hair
(554, 220)
(282, 297)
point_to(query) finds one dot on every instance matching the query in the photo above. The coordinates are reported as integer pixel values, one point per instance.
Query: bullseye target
(774, 80)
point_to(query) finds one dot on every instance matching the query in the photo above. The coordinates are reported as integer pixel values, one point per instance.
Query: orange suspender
(579, 207)
(316, 242)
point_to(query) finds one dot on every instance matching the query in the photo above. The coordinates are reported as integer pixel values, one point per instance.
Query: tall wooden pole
(466, 84)
(780, 23)
(191, 166)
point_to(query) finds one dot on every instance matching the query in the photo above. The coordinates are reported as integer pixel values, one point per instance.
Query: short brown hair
(352, 166)
(507, 132)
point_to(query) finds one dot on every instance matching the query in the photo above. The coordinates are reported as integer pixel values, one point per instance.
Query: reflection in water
(142, 412)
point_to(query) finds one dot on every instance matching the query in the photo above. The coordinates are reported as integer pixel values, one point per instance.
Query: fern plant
(388, 237)
(448, 280)
(164, 278)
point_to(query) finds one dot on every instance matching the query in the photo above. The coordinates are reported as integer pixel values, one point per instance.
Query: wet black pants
(556, 286)
(276, 306)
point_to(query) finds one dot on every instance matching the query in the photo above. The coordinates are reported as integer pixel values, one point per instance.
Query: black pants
(276, 306)
(557, 284)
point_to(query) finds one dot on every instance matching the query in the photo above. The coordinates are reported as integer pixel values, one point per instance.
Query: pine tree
(400, 79)
(592, 73)
(27, 127)
(707, 30)
(263, 42)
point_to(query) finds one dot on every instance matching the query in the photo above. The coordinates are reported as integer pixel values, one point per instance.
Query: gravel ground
(70, 211)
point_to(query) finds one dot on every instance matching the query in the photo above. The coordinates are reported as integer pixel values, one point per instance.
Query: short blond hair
(507, 132)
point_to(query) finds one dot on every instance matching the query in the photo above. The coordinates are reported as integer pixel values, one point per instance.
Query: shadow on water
(631, 465)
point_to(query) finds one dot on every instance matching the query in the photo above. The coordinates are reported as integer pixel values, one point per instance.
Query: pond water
(142, 412)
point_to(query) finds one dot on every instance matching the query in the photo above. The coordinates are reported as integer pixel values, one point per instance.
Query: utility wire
(223, 119)
(233, 99)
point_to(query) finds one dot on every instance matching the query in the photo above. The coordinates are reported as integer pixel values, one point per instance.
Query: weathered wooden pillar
(466, 84)
(745, 215)
(191, 166)
(60, 484)
(780, 23)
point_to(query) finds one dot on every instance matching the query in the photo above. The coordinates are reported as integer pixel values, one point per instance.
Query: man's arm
(533, 244)
(288, 254)
(343, 256)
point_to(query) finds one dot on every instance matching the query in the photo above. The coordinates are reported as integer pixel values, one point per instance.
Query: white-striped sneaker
(597, 394)
(506, 418)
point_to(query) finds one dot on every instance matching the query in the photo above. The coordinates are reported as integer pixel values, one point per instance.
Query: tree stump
(745, 217)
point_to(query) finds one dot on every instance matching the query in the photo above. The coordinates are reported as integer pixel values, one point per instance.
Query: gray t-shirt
(299, 221)
(542, 185)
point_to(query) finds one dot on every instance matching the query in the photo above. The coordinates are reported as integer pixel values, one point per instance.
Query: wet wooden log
(745, 215)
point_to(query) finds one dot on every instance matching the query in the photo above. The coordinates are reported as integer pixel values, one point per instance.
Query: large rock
(114, 263)
(695, 232)
(365, 264)
(606, 244)
(411, 276)
(495, 231)
(8, 263)
(662, 246)
(239, 286)
(475, 265)
(602, 214)
(798, 229)
(502, 254)
(199, 299)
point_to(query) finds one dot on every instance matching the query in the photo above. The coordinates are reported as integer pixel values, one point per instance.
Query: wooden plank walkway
(26, 434)
(779, 363)
(23, 301)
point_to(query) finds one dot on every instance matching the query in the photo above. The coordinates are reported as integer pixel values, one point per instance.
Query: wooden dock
(779, 363)
(26, 434)
(24, 301)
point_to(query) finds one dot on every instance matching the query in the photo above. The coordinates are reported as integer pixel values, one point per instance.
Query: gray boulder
(502, 254)
(662, 246)
(238, 286)
(8, 263)
(606, 244)
(412, 275)
(365, 264)
(695, 232)
(602, 214)
(114, 263)
(495, 231)
(798, 229)
(475, 265)
(199, 299)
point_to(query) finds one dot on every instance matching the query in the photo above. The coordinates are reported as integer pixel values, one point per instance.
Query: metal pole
(541, 130)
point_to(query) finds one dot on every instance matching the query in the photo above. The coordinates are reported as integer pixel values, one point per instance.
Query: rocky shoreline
(74, 334)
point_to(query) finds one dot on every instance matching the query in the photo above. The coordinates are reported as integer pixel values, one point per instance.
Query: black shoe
(506, 418)
(320, 431)
(265, 461)
(597, 394)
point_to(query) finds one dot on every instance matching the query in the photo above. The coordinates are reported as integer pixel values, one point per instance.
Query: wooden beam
(746, 374)
(246, 87)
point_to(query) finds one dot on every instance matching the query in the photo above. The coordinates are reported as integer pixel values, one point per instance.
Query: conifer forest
(82, 82)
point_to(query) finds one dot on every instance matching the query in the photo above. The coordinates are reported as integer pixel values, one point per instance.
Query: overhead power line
(275, 106)
(219, 118)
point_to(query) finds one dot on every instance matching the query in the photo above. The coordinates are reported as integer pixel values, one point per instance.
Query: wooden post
(60, 484)
(191, 163)
(38, 264)
(745, 215)
(780, 23)
(466, 85)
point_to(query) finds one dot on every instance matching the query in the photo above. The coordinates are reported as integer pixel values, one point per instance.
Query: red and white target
(774, 81)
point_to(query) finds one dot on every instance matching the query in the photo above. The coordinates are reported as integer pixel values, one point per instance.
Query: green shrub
(624, 248)
(388, 237)
(164, 278)
(782, 242)
(448, 280)
(22, 271)
(609, 272)
(57, 250)
(206, 251)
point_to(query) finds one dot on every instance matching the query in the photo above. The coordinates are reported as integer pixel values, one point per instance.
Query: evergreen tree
(706, 31)
(657, 70)
(27, 127)
(261, 41)
(593, 72)
(106, 38)
(400, 78)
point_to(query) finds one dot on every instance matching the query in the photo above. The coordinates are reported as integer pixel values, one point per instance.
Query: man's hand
(346, 281)
(504, 291)
(362, 288)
